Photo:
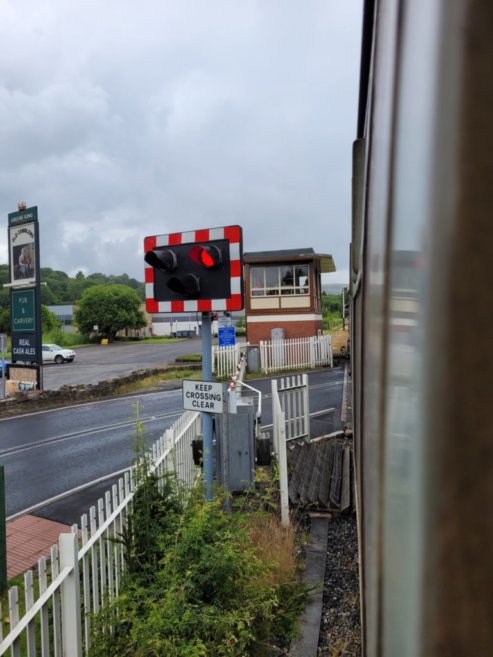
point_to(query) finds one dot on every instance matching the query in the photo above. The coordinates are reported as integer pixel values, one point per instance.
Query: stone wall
(29, 402)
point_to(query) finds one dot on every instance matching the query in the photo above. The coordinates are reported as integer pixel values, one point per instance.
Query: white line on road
(61, 496)
(85, 432)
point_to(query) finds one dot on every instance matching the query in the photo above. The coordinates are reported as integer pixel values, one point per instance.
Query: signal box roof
(291, 255)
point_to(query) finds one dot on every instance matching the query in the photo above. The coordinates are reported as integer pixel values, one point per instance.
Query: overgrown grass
(156, 379)
(77, 340)
(200, 582)
(189, 358)
(66, 339)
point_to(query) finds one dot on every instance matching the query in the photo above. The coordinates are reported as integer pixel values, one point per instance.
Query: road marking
(77, 434)
(92, 401)
(61, 496)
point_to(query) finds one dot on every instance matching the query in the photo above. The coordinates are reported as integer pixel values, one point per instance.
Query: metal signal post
(207, 417)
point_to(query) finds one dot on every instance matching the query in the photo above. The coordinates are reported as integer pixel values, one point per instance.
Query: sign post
(25, 285)
(206, 416)
(3, 349)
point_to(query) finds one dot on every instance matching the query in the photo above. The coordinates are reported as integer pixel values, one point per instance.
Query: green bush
(64, 339)
(194, 586)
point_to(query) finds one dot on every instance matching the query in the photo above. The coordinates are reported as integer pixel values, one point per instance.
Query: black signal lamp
(187, 285)
(165, 260)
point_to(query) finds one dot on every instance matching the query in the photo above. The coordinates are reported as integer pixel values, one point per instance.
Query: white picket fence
(298, 353)
(87, 564)
(225, 359)
(276, 355)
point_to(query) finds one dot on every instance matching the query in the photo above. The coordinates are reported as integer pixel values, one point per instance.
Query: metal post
(3, 533)
(225, 446)
(207, 417)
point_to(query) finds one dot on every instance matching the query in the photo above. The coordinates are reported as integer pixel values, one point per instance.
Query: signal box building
(283, 293)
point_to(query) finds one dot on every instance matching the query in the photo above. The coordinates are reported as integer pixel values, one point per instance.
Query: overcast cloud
(121, 119)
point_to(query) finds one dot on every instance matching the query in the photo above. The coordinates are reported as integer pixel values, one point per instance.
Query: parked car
(52, 353)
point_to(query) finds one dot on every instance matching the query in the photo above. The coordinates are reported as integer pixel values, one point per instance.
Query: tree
(5, 320)
(111, 308)
(331, 310)
(4, 292)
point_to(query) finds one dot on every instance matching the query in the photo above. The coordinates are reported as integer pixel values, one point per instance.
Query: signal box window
(279, 280)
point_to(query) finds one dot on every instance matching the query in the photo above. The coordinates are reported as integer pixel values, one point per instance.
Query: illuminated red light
(207, 256)
(206, 259)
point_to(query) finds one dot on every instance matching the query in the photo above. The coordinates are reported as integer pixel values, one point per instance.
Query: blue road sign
(226, 336)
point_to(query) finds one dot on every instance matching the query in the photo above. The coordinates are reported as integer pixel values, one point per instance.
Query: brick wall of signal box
(257, 331)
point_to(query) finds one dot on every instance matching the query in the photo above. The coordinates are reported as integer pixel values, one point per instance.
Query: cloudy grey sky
(124, 118)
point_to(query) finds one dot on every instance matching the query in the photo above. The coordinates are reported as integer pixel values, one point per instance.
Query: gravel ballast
(340, 627)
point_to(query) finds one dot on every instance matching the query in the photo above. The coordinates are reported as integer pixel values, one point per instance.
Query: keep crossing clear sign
(204, 396)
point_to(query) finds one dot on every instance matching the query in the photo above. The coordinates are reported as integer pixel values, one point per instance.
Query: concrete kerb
(306, 645)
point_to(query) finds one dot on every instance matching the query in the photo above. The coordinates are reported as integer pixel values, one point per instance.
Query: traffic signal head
(199, 270)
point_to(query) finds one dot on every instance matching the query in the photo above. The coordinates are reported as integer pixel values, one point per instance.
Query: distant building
(283, 293)
(186, 325)
(65, 315)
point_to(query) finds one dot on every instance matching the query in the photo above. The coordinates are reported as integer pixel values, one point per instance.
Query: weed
(208, 583)
(155, 380)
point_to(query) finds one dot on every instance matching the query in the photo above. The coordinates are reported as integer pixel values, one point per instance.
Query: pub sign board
(23, 311)
(23, 247)
(24, 348)
(25, 286)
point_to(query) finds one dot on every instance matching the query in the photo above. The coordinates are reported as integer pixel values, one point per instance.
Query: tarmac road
(95, 363)
(47, 453)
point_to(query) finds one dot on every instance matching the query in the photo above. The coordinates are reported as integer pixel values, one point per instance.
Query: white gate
(292, 392)
(290, 421)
